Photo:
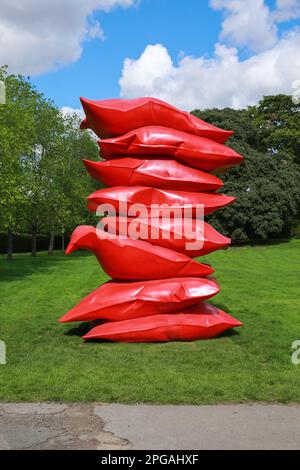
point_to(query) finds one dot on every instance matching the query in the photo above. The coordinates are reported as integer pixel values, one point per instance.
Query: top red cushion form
(157, 141)
(109, 118)
(146, 198)
(124, 258)
(117, 301)
(166, 174)
(203, 321)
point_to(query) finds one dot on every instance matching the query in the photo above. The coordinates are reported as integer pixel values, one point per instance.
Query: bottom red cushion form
(116, 300)
(203, 321)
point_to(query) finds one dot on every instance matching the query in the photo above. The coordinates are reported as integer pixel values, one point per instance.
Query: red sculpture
(163, 174)
(158, 142)
(154, 157)
(124, 258)
(147, 197)
(203, 321)
(175, 234)
(109, 118)
(116, 301)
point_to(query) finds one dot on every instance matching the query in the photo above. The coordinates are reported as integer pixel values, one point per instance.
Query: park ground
(40, 426)
(48, 361)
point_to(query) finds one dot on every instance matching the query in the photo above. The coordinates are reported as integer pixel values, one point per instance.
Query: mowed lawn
(47, 360)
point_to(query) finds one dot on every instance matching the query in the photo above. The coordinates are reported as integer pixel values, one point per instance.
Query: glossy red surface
(115, 117)
(117, 301)
(165, 174)
(145, 196)
(203, 321)
(157, 142)
(124, 258)
(174, 234)
(154, 157)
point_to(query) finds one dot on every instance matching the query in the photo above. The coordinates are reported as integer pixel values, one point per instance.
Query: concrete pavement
(112, 427)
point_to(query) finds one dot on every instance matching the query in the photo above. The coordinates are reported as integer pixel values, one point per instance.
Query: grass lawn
(49, 361)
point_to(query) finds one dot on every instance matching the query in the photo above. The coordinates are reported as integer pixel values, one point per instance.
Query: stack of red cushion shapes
(127, 259)
(201, 321)
(112, 118)
(116, 300)
(157, 169)
(163, 174)
(191, 237)
(159, 141)
(146, 198)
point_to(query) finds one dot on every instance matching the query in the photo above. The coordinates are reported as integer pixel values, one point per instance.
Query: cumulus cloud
(248, 24)
(286, 10)
(220, 81)
(38, 36)
(223, 79)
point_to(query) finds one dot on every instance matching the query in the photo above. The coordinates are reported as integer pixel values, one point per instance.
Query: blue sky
(248, 41)
(192, 28)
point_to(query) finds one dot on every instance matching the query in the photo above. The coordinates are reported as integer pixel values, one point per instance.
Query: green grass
(49, 361)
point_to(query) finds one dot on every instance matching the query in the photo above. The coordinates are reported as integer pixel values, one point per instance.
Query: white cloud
(247, 23)
(224, 79)
(67, 111)
(38, 36)
(220, 81)
(286, 10)
(145, 73)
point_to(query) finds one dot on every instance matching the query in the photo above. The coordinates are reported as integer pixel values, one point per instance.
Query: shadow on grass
(24, 264)
(83, 328)
(79, 330)
(229, 333)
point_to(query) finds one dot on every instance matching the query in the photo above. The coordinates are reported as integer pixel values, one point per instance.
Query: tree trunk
(33, 240)
(63, 242)
(9, 254)
(51, 242)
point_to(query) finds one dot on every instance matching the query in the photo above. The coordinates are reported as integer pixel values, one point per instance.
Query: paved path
(108, 427)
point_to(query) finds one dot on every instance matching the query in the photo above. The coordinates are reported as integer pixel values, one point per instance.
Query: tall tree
(70, 185)
(17, 133)
(37, 181)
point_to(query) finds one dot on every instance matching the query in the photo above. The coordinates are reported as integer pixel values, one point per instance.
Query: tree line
(43, 184)
(267, 185)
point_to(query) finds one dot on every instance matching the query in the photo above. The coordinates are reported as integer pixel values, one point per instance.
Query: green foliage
(278, 121)
(17, 135)
(43, 184)
(267, 185)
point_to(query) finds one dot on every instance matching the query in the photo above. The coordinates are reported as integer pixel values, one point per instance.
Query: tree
(267, 192)
(70, 185)
(266, 186)
(277, 120)
(17, 132)
(42, 180)
(37, 182)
